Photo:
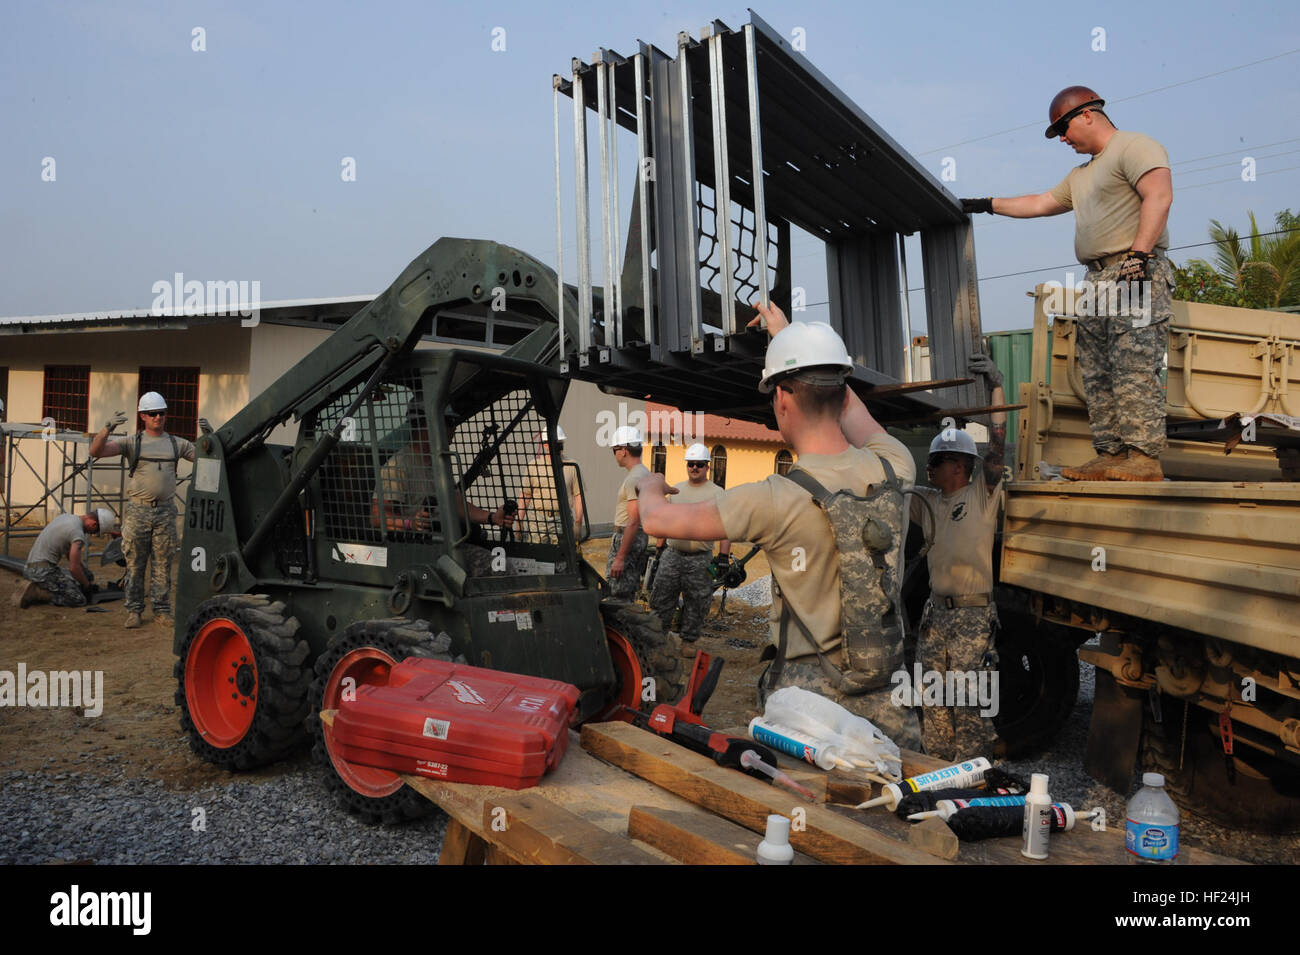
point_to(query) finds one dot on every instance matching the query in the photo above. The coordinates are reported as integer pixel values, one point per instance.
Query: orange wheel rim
(628, 667)
(365, 666)
(221, 683)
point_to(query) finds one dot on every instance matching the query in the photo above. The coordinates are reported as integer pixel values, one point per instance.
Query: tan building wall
(115, 359)
(586, 410)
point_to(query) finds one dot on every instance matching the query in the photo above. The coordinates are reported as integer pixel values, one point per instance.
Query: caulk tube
(914, 803)
(793, 743)
(964, 774)
(946, 808)
(991, 822)
(1037, 824)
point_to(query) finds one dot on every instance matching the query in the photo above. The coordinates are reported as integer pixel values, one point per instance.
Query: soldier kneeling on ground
(65, 536)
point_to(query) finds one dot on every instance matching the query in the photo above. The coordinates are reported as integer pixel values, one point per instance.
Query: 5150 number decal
(207, 515)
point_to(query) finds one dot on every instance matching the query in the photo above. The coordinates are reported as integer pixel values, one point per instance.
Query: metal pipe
(559, 215)
(908, 373)
(691, 210)
(756, 162)
(583, 223)
(617, 242)
(721, 183)
(602, 132)
(643, 195)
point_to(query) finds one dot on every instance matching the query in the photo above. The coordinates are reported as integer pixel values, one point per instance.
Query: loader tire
(1038, 682)
(366, 652)
(659, 655)
(240, 682)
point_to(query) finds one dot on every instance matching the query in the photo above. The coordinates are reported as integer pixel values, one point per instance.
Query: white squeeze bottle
(1038, 818)
(775, 849)
(1151, 827)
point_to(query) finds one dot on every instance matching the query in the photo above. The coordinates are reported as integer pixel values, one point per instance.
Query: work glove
(981, 364)
(1135, 266)
(971, 206)
(116, 421)
(204, 426)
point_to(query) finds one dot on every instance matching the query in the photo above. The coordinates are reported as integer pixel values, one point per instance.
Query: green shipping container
(1013, 353)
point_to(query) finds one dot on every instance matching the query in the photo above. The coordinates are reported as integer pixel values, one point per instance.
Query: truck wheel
(1264, 796)
(240, 682)
(1038, 683)
(365, 653)
(641, 649)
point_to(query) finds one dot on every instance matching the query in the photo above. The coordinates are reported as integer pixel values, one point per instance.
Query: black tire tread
(660, 653)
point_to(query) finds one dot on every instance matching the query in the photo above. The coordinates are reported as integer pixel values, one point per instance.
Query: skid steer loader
(310, 570)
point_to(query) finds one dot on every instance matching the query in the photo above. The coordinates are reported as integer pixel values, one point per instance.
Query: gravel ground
(80, 817)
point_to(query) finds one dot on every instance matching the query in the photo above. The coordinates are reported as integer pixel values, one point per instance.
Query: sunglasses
(942, 459)
(1058, 128)
(697, 464)
(153, 414)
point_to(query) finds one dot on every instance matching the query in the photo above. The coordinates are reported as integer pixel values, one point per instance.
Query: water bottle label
(1151, 842)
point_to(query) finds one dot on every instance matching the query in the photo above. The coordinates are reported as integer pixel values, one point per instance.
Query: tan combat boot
(1095, 469)
(1138, 467)
(133, 621)
(28, 593)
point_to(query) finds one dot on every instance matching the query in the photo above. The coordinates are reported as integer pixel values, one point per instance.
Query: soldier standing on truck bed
(684, 567)
(1121, 199)
(843, 448)
(960, 619)
(149, 525)
(627, 548)
(65, 536)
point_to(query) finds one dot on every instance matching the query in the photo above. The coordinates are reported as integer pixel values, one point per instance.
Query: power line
(1234, 152)
(1236, 162)
(1124, 99)
(1216, 182)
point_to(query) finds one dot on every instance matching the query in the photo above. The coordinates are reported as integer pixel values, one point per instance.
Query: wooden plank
(697, 838)
(933, 836)
(460, 846)
(742, 799)
(533, 829)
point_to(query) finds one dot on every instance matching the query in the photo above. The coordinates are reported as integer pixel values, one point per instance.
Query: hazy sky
(225, 164)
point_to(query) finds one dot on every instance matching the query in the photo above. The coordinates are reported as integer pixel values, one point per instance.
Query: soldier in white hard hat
(65, 536)
(627, 548)
(538, 499)
(843, 448)
(149, 524)
(957, 629)
(684, 567)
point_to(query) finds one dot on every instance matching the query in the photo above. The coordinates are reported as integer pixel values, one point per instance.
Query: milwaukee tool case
(459, 723)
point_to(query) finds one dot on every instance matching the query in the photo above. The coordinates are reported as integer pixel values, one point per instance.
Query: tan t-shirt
(961, 560)
(1103, 194)
(796, 536)
(155, 475)
(539, 485)
(690, 494)
(627, 492)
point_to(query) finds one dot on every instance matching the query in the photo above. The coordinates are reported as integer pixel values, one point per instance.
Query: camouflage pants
(62, 586)
(956, 641)
(149, 535)
(1121, 356)
(480, 561)
(545, 528)
(899, 723)
(686, 574)
(625, 586)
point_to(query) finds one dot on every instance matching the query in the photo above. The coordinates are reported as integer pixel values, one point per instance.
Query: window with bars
(784, 462)
(67, 396)
(180, 389)
(659, 459)
(720, 466)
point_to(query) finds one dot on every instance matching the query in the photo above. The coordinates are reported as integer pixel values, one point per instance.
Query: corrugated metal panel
(1013, 353)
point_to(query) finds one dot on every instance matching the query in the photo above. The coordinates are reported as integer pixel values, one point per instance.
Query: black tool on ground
(729, 575)
(928, 800)
(651, 568)
(997, 779)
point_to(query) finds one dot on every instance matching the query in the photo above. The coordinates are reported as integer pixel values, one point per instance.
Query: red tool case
(459, 723)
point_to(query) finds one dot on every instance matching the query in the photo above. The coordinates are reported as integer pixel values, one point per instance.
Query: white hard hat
(106, 519)
(624, 436)
(152, 401)
(952, 440)
(697, 452)
(559, 434)
(803, 345)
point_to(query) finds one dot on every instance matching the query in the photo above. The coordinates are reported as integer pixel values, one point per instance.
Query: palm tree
(1262, 272)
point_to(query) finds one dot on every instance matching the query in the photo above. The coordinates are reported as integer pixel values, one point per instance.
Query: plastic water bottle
(1151, 828)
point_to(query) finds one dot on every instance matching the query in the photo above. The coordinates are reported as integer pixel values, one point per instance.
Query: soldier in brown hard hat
(1120, 198)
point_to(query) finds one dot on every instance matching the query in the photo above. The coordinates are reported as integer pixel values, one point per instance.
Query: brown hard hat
(1067, 104)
